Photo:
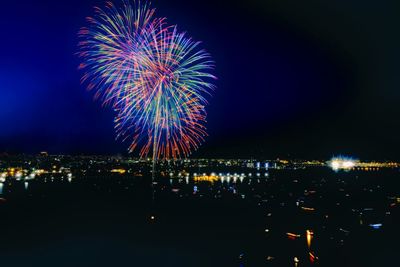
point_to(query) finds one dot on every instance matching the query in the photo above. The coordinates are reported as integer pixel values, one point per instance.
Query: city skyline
(239, 212)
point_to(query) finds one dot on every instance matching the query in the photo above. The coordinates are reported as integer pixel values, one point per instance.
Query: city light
(309, 236)
(119, 171)
(376, 226)
(342, 163)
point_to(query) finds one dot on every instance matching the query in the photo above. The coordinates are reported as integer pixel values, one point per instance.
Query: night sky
(303, 79)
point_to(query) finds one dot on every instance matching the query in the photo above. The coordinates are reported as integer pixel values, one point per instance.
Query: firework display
(155, 78)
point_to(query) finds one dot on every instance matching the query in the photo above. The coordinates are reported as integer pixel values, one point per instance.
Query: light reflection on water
(296, 201)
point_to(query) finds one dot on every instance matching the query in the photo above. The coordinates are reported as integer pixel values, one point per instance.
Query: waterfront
(199, 133)
(281, 217)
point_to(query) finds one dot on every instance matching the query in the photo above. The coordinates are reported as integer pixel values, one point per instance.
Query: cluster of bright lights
(225, 177)
(154, 77)
(342, 163)
(3, 177)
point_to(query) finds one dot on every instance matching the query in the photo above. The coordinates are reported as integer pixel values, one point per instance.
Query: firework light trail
(156, 79)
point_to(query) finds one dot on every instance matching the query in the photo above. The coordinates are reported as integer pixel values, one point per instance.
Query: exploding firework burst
(109, 47)
(155, 78)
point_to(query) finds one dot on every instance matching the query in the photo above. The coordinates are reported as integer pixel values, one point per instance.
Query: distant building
(250, 165)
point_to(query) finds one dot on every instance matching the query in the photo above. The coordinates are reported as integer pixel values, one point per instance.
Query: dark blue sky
(295, 79)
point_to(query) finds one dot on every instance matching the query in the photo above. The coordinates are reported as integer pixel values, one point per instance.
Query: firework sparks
(155, 78)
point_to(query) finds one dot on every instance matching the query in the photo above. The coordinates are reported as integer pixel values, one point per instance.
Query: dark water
(105, 221)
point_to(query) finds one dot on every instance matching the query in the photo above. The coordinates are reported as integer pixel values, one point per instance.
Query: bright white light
(335, 164)
(348, 164)
(342, 163)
